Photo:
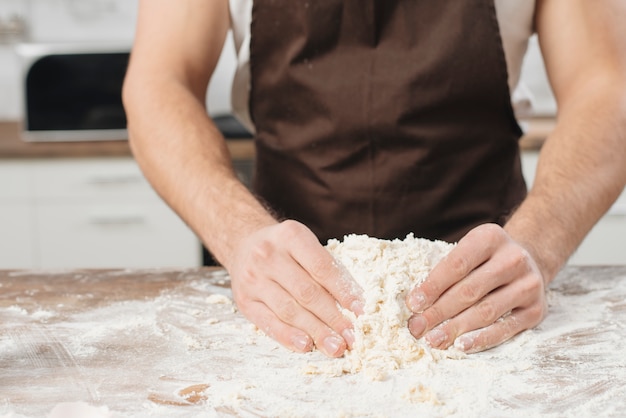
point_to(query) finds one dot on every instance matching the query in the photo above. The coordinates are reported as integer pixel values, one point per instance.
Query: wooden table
(170, 343)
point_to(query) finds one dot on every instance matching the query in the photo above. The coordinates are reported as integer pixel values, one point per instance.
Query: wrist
(225, 233)
(543, 250)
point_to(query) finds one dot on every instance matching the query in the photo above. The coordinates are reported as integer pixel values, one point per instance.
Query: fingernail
(464, 342)
(417, 325)
(301, 342)
(348, 335)
(357, 307)
(332, 344)
(436, 337)
(417, 302)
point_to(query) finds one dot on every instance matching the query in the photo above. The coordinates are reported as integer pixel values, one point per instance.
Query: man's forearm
(581, 172)
(185, 158)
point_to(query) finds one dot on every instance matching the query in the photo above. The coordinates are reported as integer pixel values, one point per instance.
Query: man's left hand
(485, 291)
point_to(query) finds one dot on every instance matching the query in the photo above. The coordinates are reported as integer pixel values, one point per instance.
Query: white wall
(9, 74)
(9, 88)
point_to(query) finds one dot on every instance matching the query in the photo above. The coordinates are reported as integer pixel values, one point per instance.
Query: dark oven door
(74, 95)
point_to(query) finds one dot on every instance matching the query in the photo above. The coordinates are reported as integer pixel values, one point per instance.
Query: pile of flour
(386, 271)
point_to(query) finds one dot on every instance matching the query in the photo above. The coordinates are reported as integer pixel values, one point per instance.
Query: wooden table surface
(170, 343)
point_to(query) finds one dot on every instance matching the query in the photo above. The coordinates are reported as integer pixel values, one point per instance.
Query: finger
(508, 263)
(473, 250)
(314, 298)
(500, 331)
(290, 337)
(482, 314)
(290, 312)
(460, 297)
(323, 268)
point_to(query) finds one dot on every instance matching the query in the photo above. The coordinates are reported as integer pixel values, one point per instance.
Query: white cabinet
(17, 232)
(606, 243)
(17, 249)
(88, 213)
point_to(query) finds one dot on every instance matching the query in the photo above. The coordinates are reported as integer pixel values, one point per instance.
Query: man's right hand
(288, 284)
(283, 279)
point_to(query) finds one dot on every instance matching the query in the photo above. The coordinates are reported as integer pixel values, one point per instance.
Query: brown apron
(383, 117)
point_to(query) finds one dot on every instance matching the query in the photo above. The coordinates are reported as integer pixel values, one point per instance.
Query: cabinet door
(606, 243)
(17, 233)
(137, 235)
(102, 179)
(16, 183)
(17, 228)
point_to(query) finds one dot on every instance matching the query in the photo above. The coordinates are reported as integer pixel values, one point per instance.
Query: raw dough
(386, 270)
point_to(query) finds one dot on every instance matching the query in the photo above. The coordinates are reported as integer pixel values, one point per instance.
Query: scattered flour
(387, 271)
(182, 353)
(219, 299)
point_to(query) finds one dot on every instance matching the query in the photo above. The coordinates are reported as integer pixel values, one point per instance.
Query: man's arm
(180, 150)
(491, 286)
(282, 278)
(582, 167)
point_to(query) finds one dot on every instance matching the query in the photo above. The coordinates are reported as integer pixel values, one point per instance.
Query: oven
(72, 92)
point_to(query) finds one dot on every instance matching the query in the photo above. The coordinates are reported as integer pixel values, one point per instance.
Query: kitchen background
(78, 21)
(99, 21)
(126, 225)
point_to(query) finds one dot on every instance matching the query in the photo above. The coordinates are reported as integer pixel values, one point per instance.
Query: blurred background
(87, 22)
(74, 197)
(113, 21)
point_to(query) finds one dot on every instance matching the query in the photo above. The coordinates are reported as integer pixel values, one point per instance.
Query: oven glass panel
(76, 92)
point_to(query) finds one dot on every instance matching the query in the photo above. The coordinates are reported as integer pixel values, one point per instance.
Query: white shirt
(515, 18)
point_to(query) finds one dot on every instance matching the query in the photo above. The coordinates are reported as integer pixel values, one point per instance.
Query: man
(383, 117)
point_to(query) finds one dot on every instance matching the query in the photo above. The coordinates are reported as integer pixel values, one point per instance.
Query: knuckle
(487, 232)
(433, 316)
(248, 275)
(520, 260)
(288, 310)
(487, 312)
(429, 288)
(468, 293)
(536, 313)
(319, 267)
(459, 266)
(532, 287)
(308, 293)
(338, 322)
(494, 229)
(261, 251)
(290, 229)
